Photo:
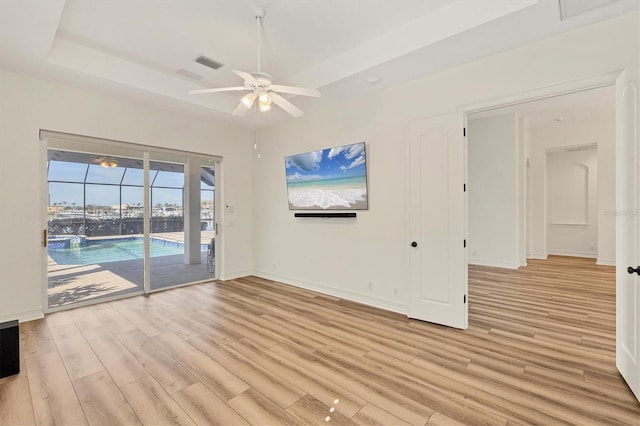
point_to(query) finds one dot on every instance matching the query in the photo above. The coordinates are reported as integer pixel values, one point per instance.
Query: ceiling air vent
(571, 8)
(208, 62)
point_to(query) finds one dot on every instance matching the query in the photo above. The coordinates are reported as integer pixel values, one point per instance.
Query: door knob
(631, 270)
(414, 244)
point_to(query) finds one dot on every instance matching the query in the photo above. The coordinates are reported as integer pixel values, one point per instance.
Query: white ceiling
(135, 48)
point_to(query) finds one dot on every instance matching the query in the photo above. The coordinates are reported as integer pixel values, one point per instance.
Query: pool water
(111, 251)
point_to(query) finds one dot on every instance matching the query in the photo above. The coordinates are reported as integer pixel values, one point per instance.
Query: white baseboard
(22, 316)
(538, 256)
(606, 262)
(494, 263)
(573, 253)
(233, 275)
(376, 302)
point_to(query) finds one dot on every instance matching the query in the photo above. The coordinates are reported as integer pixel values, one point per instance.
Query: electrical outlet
(396, 292)
(370, 286)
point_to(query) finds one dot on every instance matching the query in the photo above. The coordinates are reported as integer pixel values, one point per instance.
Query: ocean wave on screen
(324, 198)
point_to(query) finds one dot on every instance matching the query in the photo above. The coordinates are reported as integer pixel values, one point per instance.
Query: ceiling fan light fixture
(247, 100)
(265, 98)
(108, 163)
(265, 107)
(264, 102)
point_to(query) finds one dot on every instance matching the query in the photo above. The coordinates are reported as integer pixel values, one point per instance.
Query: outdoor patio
(69, 284)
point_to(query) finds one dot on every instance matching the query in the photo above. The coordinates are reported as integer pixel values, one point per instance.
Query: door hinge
(465, 298)
(464, 131)
(464, 187)
(465, 244)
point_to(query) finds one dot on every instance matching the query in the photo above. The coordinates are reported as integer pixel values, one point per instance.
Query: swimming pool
(120, 249)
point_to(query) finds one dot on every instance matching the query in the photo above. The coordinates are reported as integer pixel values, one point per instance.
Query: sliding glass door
(167, 236)
(124, 221)
(95, 227)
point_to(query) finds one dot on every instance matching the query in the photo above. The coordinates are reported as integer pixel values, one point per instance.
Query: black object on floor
(9, 349)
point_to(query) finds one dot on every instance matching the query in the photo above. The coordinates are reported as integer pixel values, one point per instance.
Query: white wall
(493, 210)
(600, 130)
(572, 200)
(28, 105)
(342, 257)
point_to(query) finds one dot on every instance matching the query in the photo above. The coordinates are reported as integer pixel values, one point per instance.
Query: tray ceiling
(146, 49)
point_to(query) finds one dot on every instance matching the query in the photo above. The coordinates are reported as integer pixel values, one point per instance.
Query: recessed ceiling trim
(189, 74)
(571, 8)
(453, 18)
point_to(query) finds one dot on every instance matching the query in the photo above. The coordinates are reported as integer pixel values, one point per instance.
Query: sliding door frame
(99, 146)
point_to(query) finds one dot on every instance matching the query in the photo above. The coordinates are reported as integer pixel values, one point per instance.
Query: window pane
(206, 210)
(103, 210)
(67, 172)
(132, 210)
(166, 202)
(103, 195)
(206, 178)
(64, 213)
(99, 174)
(133, 195)
(169, 179)
(133, 177)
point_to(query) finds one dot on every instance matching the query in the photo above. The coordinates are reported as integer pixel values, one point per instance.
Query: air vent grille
(208, 62)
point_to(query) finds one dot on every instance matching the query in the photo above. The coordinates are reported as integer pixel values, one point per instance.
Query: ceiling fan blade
(218, 89)
(241, 109)
(285, 105)
(246, 77)
(295, 90)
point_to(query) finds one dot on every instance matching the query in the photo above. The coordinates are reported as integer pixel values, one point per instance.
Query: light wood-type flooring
(539, 350)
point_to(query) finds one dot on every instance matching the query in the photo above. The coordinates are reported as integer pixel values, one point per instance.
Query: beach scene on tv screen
(333, 178)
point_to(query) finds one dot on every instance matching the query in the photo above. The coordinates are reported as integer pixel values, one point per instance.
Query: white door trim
(549, 91)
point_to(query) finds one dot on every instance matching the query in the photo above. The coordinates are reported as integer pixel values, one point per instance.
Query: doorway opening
(541, 230)
(541, 179)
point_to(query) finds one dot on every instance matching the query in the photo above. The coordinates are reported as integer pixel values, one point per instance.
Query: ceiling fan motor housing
(263, 79)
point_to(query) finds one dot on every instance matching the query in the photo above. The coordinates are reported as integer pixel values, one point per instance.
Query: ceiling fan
(105, 161)
(260, 87)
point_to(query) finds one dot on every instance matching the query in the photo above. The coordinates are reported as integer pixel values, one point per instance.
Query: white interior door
(628, 230)
(438, 264)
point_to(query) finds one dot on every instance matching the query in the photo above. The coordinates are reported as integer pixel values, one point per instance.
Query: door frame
(215, 160)
(553, 90)
(544, 92)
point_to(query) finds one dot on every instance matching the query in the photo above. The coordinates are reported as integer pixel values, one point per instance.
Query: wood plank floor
(539, 350)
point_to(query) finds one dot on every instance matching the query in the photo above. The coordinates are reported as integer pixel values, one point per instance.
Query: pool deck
(77, 283)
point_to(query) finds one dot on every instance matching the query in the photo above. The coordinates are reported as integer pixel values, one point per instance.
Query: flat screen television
(330, 179)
